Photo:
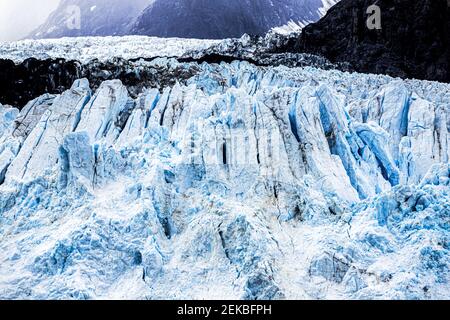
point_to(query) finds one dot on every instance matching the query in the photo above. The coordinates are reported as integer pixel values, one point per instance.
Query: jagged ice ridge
(244, 182)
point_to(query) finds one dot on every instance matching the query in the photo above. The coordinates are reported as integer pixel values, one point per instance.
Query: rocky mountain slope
(180, 18)
(225, 18)
(414, 41)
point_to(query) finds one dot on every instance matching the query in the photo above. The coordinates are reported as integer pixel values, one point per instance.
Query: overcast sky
(19, 17)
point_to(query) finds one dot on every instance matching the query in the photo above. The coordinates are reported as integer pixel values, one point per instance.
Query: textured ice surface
(246, 182)
(85, 49)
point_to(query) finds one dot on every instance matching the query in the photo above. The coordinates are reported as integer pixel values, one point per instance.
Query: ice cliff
(241, 181)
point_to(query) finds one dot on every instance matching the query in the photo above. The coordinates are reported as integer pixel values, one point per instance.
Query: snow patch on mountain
(291, 27)
(295, 27)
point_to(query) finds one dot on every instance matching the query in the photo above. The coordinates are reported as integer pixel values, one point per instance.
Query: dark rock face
(23, 82)
(218, 19)
(413, 42)
(32, 78)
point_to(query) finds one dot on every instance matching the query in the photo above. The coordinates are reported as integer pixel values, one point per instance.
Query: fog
(19, 17)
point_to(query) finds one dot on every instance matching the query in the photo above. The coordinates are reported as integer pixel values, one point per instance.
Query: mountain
(180, 18)
(224, 18)
(414, 40)
(164, 178)
(97, 18)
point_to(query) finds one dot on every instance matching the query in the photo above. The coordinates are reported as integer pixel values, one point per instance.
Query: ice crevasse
(240, 182)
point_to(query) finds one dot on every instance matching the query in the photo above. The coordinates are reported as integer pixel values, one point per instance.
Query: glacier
(242, 182)
(86, 49)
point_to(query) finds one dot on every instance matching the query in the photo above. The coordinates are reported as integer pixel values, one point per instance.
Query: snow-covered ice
(244, 182)
(86, 49)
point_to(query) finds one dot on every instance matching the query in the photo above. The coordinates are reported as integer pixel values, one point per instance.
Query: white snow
(295, 27)
(85, 49)
(290, 28)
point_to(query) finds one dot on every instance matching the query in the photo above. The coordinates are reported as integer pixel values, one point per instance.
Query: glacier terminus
(236, 181)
